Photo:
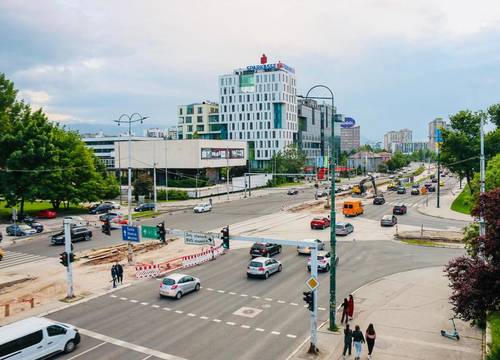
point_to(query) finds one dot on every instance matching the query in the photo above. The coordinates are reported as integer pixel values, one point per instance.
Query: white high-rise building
(433, 125)
(259, 104)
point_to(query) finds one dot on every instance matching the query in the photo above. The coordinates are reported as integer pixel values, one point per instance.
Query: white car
(75, 220)
(204, 207)
(177, 285)
(324, 260)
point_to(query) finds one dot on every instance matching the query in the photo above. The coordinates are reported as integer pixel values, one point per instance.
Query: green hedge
(464, 202)
(494, 320)
(419, 171)
(172, 195)
(187, 183)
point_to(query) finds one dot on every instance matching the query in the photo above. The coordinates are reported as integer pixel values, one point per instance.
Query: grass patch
(145, 214)
(419, 171)
(463, 203)
(422, 242)
(494, 320)
(287, 184)
(33, 207)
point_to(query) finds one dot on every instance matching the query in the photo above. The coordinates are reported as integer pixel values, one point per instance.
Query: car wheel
(280, 268)
(178, 295)
(323, 228)
(1, 257)
(197, 287)
(69, 347)
(87, 238)
(266, 275)
(279, 250)
(327, 268)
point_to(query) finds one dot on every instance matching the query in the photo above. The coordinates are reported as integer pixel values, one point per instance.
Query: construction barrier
(145, 271)
(7, 306)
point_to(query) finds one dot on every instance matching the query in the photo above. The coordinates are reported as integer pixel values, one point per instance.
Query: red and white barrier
(144, 271)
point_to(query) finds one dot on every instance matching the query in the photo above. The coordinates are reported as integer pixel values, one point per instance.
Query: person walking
(358, 340)
(119, 273)
(345, 309)
(347, 341)
(350, 310)
(370, 339)
(113, 275)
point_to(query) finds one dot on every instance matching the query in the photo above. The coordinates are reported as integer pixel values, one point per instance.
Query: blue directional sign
(438, 135)
(130, 233)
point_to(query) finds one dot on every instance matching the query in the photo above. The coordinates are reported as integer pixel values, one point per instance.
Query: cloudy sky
(391, 63)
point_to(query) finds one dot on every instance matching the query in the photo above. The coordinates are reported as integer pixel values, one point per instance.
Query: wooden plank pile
(117, 252)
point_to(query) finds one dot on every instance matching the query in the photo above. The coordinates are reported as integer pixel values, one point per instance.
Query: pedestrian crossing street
(13, 258)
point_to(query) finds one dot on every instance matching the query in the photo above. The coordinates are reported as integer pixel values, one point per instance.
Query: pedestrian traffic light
(106, 228)
(64, 258)
(309, 299)
(225, 237)
(161, 231)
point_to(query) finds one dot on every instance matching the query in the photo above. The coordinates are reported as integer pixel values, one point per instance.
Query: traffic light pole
(67, 249)
(313, 348)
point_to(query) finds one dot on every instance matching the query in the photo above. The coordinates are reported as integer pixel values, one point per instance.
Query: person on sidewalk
(350, 310)
(347, 341)
(114, 275)
(119, 273)
(358, 340)
(345, 310)
(370, 339)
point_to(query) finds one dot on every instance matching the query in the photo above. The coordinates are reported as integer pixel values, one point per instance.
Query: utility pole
(438, 141)
(482, 227)
(67, 249)
(166, 169)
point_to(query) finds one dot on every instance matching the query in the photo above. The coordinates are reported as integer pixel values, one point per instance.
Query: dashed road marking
(245, 326)
(167, 309)
(268, 299)
(255, 297)
(232, 293)
(134, 301)
(191, 314)
(210, 289)
(291, 336)
(282, 302)
(294, 304)
(216, 320)
(155, 306)
(144, 303)
(275, 332)
(204, 317)
(179, 311)
(123, 298)
(221, 291)
(260, 329)
(113, 296)
(230, 323)
(243, 295)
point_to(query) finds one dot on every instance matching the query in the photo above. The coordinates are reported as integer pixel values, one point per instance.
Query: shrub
(173, 195)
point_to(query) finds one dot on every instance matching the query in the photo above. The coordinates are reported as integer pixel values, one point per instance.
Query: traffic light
(309, 299)
(225, 237)
(161, 231)
(106, 228)
(64, 259)
(71, 257)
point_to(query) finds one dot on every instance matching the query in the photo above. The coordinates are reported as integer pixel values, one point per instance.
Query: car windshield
(201, 205)
(24, 227)
(340, 227)
(168, 281)
(321, 257)
(387, 217)
(255, 264)
(258, 246)
(317, 218)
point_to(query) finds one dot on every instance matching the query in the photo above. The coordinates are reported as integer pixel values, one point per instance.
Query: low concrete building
(367, 160)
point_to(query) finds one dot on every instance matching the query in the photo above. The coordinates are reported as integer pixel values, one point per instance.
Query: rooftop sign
(348, 123)
(271, 67)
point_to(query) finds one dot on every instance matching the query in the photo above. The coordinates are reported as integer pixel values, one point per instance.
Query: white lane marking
(275, 332)
(128, 345)
(88, 350)
(191, 314)
(245, 326)
(259, 329)
(281, 301)
(230, 323)
(291, 336)
(210, 289)
(123, 298)
(113, 296)
(243, 295)
(179, 311)
(133, 301)
(155, 306)
(204, 317)
(221, 291)
(294, 304)
(167, 309)
(147, 357)
(216, 320)
(144, 303)
(322, 309)
(268, 299)
(232, 293)
(255, 297)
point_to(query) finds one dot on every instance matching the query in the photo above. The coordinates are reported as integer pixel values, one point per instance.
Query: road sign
(130, 233)
(312, 283)
(149, 232)
(193, 238)
(348, 123)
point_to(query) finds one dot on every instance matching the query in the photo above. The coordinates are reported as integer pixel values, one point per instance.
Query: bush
(494, 320)
(419, 171)
(463, 202)
(187, 183)
(173, 195)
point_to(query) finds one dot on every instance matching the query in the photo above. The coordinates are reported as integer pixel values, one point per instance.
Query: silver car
(306, 250)
(388, 220)
(263, 267)
(177, 285)
(343, 228)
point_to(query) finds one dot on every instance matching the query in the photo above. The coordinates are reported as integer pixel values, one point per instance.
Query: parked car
(145, 207)
(307, 250)
(434, 180)
(109, 216)
(264, 249)
(78, 233)
(415, 191)
(263, 267)
(178, 285)
(292, 192)
(46, 214)
(324, 261)
(378, 200)
(431, 188)
(101, 209)
(113, 204)
(399, 209)
(19, 230)
(343, 228)
(76, 220)
(388, 220)
(33, 224)
(401, 190)
(203, 207)
(320, 223)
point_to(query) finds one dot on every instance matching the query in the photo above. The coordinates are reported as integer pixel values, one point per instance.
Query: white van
(36, 338)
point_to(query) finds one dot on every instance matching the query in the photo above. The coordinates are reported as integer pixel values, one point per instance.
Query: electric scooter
(451, 334)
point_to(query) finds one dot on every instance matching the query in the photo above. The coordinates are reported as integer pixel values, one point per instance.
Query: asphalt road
(206, 325)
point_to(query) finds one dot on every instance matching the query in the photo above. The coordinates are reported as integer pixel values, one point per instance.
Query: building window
(240, 116)
(200, 110)
(188, 120)
(243, 126)
(190, 128)
(232, 107)
(180, 111)
(251, 126)
(258, 116)
(199, 118)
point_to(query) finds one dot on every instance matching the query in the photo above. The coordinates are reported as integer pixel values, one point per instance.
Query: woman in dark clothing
(347, 340)
(345, 311)
(351, 307)
(358, 340)
(370, 339)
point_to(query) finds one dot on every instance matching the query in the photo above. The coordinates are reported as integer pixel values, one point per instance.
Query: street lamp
(130, 120)
(333, 240)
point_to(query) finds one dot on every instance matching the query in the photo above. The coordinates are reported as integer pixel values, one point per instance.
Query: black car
(78, 233)
(378, 200)
(265, 249)
(401, 190)
(293, 192)
(415, 191)
(145, 207)
(33, 224)
(431, 188)
(399, 209)
(101, 209)
(434, 180)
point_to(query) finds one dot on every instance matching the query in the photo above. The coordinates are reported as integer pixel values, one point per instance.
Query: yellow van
(352, 208)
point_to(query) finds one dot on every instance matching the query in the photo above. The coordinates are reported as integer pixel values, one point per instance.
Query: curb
(441, 217)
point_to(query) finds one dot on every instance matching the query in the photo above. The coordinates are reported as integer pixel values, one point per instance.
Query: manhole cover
(247, 312)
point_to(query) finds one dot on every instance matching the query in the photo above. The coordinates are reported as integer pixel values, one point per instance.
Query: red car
(46, 214)
(320, 223)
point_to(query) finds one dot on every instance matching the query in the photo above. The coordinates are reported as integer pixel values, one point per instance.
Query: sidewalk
(408, 310)
(444, 210)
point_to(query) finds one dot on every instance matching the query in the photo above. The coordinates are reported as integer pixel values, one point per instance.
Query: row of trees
(43, 160)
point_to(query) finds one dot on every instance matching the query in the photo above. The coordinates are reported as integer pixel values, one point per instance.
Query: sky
(392, 64)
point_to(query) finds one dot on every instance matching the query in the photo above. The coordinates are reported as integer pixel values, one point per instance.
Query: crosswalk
(392, 203)
(13, 258)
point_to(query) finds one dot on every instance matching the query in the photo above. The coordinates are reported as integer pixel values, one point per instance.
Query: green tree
(492, 176)
(143, 185)
(290, 161)
(494, 113)
(397, 161)
(382, 168)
